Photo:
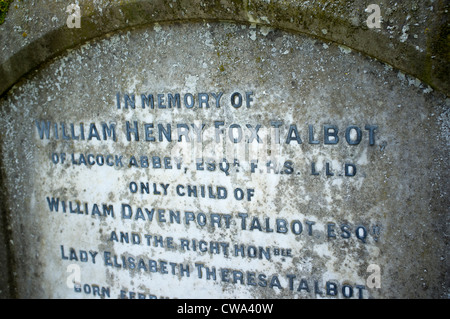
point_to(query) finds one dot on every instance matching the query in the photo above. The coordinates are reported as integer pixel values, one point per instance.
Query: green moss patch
(4, 6)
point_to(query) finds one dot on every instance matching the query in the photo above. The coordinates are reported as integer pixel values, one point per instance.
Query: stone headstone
(147, 158)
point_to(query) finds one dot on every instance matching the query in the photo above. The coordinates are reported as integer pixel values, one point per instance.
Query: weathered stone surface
(414, 36)
(305, 216)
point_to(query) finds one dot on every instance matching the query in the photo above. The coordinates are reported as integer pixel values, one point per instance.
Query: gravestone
(191, 150)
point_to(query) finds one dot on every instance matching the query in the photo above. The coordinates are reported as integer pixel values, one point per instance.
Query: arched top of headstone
(411, 36)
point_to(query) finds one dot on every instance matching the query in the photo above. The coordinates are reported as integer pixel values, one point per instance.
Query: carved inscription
(159, 237)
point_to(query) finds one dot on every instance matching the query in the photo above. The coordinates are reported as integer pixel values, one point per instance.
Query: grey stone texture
(313, 62)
